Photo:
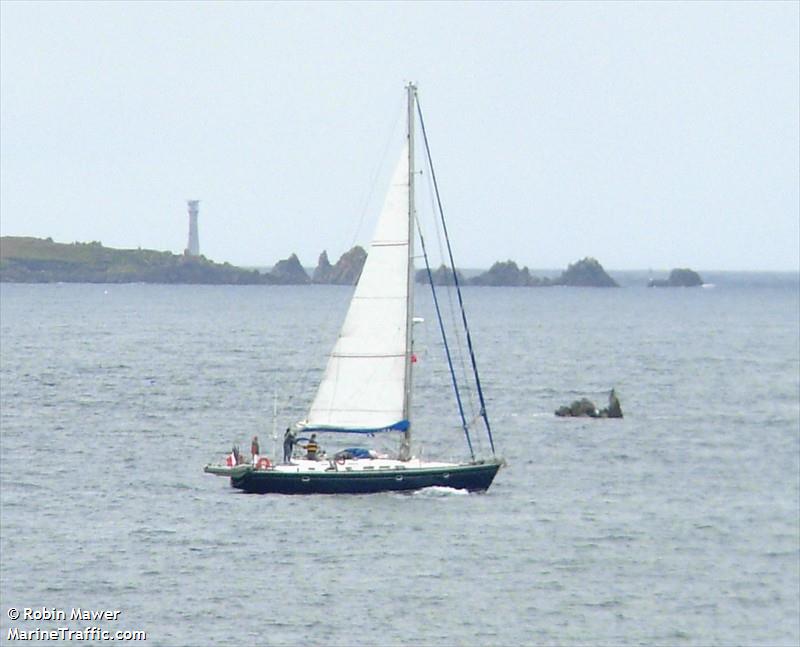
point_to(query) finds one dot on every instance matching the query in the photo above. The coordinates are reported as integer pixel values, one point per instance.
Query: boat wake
(438, 492)
(367, 383)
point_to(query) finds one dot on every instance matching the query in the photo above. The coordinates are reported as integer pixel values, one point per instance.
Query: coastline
(34, 260)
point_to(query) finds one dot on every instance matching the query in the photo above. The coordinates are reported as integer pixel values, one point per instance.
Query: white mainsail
(366, 387)
(363, 388)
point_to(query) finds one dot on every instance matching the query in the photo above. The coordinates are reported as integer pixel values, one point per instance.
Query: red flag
(413, 358)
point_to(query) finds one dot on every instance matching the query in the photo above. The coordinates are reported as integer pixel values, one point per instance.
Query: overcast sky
(646, 135)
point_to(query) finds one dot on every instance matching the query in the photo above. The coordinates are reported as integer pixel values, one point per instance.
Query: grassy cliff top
(37, 260)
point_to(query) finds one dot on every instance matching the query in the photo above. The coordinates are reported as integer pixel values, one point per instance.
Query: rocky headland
(35, 260)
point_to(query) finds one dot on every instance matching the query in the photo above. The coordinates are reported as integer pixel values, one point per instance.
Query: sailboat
(366, 388)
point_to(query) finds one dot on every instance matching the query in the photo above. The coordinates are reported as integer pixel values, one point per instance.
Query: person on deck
(254, 449)
(312, 448)
(288, 445)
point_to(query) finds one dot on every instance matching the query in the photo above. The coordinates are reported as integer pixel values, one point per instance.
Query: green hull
(473, 477)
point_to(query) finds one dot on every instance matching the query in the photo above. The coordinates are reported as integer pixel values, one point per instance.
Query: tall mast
(405, 446)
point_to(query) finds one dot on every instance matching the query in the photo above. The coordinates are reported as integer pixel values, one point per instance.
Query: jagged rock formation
(441, 276)
(586, 273)
(614, 409)
(33, 260)
(579, 409)
(289, 272)
(504, 274)
(346, 271)
(585, 408)
(322, 272)
(678, 278)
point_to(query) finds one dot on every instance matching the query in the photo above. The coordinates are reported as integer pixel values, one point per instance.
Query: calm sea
(677, 525)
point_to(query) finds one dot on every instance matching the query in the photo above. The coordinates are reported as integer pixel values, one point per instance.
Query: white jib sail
(364, 383)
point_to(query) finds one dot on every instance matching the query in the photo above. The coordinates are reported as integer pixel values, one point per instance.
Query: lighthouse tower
(193, 248)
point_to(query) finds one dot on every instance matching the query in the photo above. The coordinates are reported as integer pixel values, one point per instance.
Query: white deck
(305, 466)
(356, 465)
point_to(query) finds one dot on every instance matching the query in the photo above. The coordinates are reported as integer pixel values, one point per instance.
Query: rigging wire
(455, 279)
(381, 164)
(303, 379)
(444, 339)
(452, 320)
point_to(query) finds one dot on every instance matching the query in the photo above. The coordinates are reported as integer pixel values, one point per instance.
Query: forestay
(363, 388)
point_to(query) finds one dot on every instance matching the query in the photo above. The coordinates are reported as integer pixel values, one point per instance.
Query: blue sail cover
(356, 452)
(401, 425)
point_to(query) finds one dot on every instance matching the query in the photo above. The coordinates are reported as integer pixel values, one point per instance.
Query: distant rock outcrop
(346, 271)
(42, 260)
(504, 274)
(579, 409)
(585, 408)
(614, 409)
(678, 278)
(587, 273)
(441, 276)
(289, 272)
(322, 273)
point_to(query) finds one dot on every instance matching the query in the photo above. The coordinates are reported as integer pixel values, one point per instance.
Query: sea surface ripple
(677, 525)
